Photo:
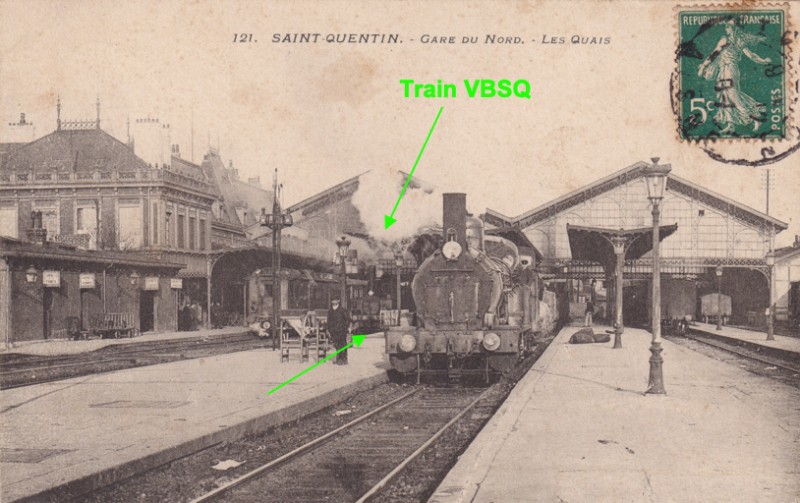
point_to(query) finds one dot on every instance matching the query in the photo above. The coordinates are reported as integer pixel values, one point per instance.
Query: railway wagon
(477, 304)
(713, 305)
(301, 291)
(365, 313)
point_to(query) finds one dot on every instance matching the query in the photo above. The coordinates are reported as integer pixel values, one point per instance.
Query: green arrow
(357, 340)
(388, 220)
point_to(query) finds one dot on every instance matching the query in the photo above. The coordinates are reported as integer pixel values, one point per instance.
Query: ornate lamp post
(771, 310)
(656, 178)
(718, 271)
(276, 221)
(343, 245)
(398, 261)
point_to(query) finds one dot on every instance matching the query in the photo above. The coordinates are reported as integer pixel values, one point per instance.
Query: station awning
(517, 237)
(594, 243)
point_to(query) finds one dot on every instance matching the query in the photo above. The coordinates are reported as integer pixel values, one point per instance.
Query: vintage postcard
(228, 228)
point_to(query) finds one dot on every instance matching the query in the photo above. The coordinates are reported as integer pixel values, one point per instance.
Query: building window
(50, 217)
(202, 234)
(192, 232)
(131, 226)
(8, 221)
(167, 229)
(181, 231)
(155, 223)
(86, 221)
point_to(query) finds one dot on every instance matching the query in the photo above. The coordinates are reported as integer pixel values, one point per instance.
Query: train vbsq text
(478, 88)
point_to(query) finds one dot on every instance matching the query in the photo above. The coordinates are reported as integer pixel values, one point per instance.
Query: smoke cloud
(420, 208)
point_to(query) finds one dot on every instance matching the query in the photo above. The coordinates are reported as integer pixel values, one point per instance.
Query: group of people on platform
(190, 317)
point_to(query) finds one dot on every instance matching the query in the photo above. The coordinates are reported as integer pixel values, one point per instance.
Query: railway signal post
(276, 221)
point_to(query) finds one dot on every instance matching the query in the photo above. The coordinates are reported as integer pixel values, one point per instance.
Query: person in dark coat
(338, 325)
(589, 313)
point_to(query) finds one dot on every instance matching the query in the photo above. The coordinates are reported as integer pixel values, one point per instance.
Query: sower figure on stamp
(338, 324)
(734, 106)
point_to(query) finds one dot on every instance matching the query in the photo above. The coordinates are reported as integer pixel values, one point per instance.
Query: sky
(324, 112)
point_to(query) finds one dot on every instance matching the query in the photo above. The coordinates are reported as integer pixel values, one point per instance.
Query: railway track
(744, 352)
(353, 462)
(18, 371)
(277, 450)
(753, 360)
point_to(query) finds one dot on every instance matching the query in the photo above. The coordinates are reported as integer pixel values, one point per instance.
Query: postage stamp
(732, 66)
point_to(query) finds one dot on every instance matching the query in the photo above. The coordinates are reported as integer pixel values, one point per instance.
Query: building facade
(96, 193)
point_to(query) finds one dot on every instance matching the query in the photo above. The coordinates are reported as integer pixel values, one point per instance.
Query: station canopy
(594, 243)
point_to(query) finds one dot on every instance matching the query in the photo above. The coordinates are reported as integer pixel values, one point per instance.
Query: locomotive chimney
(455, 217)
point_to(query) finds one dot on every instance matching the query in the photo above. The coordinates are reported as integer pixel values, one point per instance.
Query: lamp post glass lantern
(655, 177)
(343, 245)
(31, 275)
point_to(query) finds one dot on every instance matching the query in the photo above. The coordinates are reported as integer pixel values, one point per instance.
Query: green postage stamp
(732, 68)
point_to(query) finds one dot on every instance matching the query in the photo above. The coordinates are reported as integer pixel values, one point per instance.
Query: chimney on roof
(58, 114)
(233, 173)
(19, 132)
(255, 181)
(796, 243)
(152, 141)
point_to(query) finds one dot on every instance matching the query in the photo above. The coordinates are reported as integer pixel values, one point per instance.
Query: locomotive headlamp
(407, 343)
(265, 325)
(491, 341)
(451, 250)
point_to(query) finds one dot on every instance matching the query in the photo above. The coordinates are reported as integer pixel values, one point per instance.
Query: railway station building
(120, 202)
(139, 202)
(710, 243)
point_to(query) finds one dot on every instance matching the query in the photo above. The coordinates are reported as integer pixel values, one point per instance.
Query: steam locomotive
(477, 304)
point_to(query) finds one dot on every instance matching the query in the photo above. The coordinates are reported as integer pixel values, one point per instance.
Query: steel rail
(743, 353)
(128, 356)
(391, 475)
(305, 447)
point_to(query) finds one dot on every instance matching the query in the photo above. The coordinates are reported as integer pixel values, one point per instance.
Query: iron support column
(619, 252)
(656, 381)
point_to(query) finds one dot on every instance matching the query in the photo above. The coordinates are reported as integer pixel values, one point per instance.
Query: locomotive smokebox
(455, 217)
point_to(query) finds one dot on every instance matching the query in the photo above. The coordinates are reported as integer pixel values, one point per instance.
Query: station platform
(781, 343)
(57, 347)
(61, 439)
(579, 428)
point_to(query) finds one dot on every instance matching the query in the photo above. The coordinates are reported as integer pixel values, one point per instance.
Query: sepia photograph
(447, 251)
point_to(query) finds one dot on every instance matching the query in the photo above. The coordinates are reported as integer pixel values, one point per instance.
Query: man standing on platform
(589, 313)
(338, 324)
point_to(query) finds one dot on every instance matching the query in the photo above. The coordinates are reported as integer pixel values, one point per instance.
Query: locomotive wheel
(404, 363)
(502, 363)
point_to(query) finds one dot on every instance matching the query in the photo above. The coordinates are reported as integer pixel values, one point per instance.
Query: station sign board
(176, 283)
(151, 283)
(86, 280)
(51, 279)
